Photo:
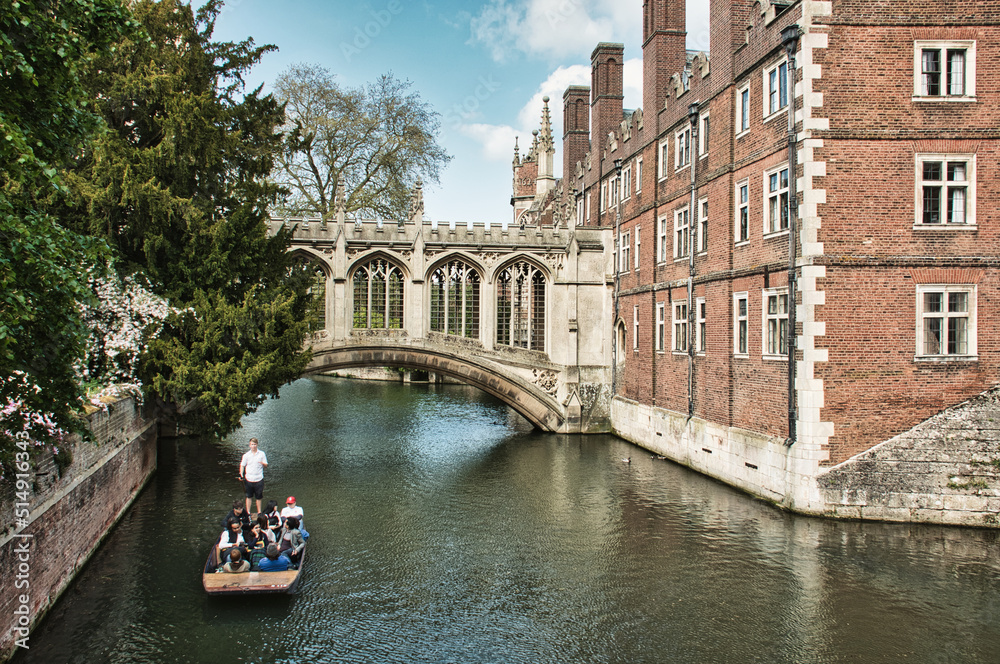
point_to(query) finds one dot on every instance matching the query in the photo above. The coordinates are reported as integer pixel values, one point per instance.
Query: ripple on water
(445, 530)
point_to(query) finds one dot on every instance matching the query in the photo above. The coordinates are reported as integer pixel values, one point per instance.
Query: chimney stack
(664, 51)
(607, 67)
(576, 129)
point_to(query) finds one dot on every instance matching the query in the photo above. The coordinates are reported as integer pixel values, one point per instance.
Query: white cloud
(571, 28)
(553, 28)
(497, 141)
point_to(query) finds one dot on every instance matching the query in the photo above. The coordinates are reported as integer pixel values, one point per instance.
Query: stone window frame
(680, 338)
(635, 258)
(781, 191)
(741, 230)
(638, 175)
(703, 134)
(624, 249)
(743, 110)
(943, 46)
(782, 89)
(661, 327)
(700, 325)
(524, 287)
(682, 232)
(970, 315)
(455, 283)
(661, 239)
(741, 324)
(682, 149)
(626, 182)
(774, 334)
(702, 230)
(635, 328)
(662, 152)
(920, 185)
(381, 308)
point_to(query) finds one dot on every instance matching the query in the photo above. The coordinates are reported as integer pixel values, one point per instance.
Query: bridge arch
(463, 256)
(312, 257)
(367, 257)
(529, 400)
(519, 257)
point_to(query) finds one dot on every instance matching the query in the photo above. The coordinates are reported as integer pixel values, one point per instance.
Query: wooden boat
(248, 583)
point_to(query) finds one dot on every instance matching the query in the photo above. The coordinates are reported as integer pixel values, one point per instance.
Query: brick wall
(71, 515)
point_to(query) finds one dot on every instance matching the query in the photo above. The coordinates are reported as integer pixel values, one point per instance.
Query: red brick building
(880, 205)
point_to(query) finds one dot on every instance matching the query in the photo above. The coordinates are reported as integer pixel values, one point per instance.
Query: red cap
(291, 499)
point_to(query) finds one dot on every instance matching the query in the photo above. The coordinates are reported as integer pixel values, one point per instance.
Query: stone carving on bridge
(554, 261)
(489, 258)
(546, 379)
(377, 333)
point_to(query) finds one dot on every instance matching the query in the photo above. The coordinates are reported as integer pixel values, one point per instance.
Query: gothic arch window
(455, 299)
(378, 296)
(521, 306)
(316, 291)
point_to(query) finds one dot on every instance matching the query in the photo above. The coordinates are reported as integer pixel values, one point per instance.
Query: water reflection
(446, 530)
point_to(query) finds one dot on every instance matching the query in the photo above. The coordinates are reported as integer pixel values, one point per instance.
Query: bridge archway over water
(530, 401)
(543, 347)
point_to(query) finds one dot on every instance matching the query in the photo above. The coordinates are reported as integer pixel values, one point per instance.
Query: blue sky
(484, 65)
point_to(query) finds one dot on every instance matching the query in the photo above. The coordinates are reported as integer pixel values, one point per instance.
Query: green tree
(178, 187)
(44, 119)
(377, 140)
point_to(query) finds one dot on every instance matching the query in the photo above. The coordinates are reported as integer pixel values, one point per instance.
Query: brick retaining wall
(70, 515)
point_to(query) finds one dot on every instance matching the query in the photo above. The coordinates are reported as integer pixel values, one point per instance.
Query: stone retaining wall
(945, 470)
(69, 516)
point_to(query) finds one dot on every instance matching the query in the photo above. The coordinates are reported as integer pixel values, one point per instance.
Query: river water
(444, 529)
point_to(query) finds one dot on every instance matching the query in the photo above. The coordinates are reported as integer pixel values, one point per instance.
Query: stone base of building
(69, 515)
(749, 461)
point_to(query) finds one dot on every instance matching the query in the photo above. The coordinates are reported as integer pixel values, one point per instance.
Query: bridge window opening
(317, 293)
(378, 296)
(455, 300)
(521, 307)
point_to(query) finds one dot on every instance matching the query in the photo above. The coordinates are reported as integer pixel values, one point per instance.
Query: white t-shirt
(292, 511)
(254, 465)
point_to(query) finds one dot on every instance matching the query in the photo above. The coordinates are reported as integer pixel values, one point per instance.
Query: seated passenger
(272, 562)
(236, 563)
(291, 542)
(294, 510)
(260, 537)
(273, 518)
(260, 534)
(232, 537)
(240, 515)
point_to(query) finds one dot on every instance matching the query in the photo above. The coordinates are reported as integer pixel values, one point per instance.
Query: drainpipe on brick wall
(790, 40)
(692, 241)
(617, 270)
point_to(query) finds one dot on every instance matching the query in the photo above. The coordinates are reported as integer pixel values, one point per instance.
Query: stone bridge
(519, 312)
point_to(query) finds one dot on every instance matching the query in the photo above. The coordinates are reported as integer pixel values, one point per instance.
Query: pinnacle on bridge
(545, 138)
(340, 202)
(517, 153)
(416, 203)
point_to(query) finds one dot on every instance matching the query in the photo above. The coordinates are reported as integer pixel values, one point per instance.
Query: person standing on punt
(252, 473)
